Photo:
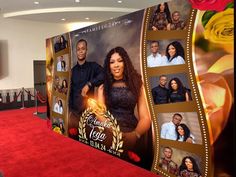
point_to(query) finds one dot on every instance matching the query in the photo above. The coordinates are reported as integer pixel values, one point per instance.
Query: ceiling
(70, 11)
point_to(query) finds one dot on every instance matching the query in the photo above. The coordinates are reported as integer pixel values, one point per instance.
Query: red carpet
(29, 149)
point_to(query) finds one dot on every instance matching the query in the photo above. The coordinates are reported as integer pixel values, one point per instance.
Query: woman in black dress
(121, 92)
(161, 18)
(177, 92)
(189, 168)
(63, 42)
(64, 87)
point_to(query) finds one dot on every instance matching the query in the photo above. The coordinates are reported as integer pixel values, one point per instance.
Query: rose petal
(224, 63)
(217, 5)
(133, 156)
(218, 101)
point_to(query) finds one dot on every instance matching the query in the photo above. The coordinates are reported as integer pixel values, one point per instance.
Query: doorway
(40, 85)
(40, 76)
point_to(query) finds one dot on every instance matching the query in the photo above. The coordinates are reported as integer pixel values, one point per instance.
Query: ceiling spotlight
(77, 0)
(87, 18)
(36, 2)
(119, 1)
(63, 19)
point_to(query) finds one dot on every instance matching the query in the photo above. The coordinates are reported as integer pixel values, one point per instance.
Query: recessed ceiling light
(119, 1)
(87, 18)
(77, 0)
(36, 2)
(111, 17)
(63, 19)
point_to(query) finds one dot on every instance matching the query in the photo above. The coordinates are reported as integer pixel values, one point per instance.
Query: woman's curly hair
(131, 77)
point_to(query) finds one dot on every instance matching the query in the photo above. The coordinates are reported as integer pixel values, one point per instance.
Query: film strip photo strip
(61, 78)
(180, 129)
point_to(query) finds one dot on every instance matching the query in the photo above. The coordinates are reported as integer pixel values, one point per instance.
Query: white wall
(21, 42)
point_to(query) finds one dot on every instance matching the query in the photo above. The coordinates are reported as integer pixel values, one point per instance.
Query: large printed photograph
(138, 102)
(107, 100)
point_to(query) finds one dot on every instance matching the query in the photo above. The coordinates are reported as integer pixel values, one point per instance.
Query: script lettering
(97, 136)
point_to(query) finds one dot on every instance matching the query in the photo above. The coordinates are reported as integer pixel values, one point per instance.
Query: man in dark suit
(160, 92)
(84, 77)
(57, 44)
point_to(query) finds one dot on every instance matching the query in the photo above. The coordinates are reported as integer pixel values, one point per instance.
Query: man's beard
(81, 59)
(162, 85)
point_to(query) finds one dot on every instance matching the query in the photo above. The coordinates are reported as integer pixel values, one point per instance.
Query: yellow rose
(57, 130)
(220, 27)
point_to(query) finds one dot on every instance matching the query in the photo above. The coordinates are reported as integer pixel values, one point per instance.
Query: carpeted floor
(28, 148)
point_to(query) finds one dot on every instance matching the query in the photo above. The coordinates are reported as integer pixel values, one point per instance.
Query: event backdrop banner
(154, 87)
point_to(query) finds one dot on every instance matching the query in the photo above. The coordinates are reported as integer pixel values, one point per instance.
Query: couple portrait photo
(171, 88)
(180, 163)
(60, 43)
(58, 105)
(165, 53)
(180, 127)
(165, 16)
(62, 63)
(60, 85)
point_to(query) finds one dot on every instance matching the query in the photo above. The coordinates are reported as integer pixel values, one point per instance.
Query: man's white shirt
(158, 60)
(168, 131)
(56, 108)
(59, 66)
